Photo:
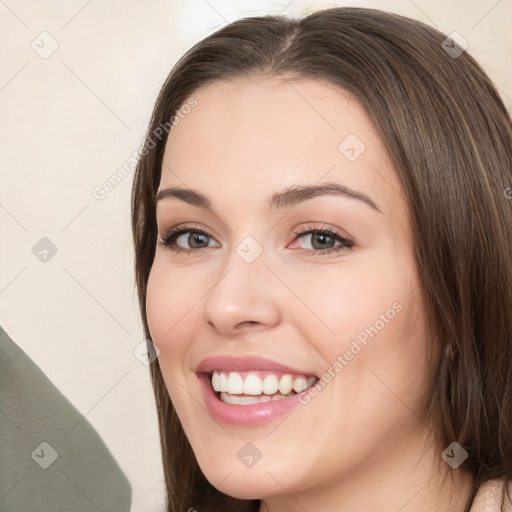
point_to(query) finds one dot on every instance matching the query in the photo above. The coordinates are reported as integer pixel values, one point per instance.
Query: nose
(244, 296)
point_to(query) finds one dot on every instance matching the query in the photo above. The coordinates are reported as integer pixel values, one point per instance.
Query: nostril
(248, 322)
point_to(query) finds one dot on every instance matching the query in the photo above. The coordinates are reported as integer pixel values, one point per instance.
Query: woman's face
(262, 283)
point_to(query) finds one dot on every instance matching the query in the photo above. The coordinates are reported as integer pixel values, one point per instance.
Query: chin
(245, 487)
(245, 483)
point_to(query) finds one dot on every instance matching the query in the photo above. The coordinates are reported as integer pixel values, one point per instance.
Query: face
(323, 284)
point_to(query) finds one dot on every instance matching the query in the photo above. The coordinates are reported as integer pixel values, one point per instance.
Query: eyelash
(170, 238)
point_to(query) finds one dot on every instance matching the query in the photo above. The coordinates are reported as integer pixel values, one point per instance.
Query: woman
(323, 255)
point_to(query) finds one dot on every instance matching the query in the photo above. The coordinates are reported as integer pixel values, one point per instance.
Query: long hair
(449, 137)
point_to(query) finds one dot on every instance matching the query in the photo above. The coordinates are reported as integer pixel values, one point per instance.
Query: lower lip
(246, 415)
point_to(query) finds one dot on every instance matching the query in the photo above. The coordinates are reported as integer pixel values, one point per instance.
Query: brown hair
(450, 139)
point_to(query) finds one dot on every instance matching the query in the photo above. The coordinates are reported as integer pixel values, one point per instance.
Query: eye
(196, 237)
(321, 238)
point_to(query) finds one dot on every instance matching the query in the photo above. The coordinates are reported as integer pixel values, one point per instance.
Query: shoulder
(488, 498)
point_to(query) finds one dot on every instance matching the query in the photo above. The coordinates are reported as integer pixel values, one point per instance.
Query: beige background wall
(68, 121)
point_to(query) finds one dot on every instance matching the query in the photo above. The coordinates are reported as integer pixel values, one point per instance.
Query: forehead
(250, 137)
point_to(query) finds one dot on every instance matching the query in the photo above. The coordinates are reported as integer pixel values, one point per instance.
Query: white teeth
(286, 384)
(252, 385)
(234, 384)
(311, 381)
(223, 382)
(280, 397)
(300, 384)
(270, 385)
(243, 400)
(250, 400)
(216, 381)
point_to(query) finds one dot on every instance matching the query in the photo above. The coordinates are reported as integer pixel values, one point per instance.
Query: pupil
(195, 237)
(322, 240)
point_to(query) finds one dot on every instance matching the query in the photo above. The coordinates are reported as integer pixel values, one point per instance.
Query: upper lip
(245, 364)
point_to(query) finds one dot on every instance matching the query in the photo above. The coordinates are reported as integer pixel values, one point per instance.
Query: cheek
(168, 310)
(342, 306)
(380, 334)
(371, 315)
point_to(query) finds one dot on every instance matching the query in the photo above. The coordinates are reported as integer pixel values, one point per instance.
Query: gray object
(51, 458)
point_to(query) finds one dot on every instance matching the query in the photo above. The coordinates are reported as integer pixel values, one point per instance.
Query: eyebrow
(290, 196)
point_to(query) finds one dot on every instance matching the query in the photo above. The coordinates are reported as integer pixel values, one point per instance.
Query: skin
(362, 443)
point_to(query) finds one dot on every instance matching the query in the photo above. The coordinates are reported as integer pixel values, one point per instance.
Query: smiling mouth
(249, 388)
